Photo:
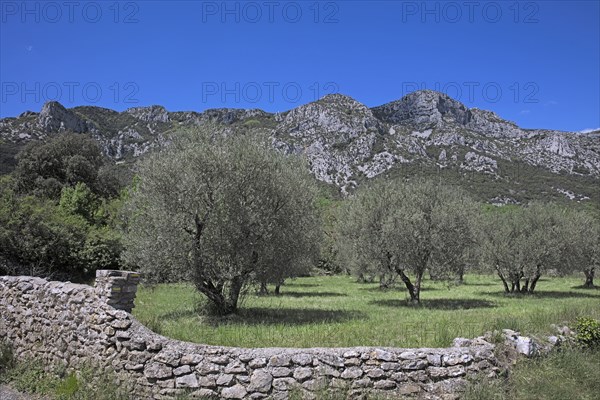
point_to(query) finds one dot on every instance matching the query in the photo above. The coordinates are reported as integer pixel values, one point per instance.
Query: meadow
(338, 311)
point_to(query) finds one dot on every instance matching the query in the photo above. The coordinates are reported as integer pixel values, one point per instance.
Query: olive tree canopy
(581, 241)
(222, 212)
(522, 244)
(407, 228)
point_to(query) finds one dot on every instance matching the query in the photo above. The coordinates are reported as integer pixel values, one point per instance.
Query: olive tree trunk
(589, 277)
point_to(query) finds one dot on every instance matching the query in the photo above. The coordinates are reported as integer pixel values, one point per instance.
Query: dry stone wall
(74, 326)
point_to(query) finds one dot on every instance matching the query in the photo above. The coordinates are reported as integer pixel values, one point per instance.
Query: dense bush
(44, 168)
(59, 210)
(588, 332)
(69, 240)
(6, 357)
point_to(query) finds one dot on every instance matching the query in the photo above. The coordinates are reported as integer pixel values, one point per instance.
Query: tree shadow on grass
(290, 316)
(298, 284)
(377, 289)
(467, 283)
(542, 294)
(268, 316)
(437, 304)
(592, 288)
(285, 293)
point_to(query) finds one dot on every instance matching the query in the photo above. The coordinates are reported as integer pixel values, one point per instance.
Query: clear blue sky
(536, 63)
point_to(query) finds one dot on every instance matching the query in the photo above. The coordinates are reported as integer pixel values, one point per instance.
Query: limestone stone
(383, 355)
(260, 381)
(206, 368)
(375, 373)
(408, 355)
(234, 392)
(400, 377)
(417, 376)
(280, 361)
(390, 366)
(414, 364)
(258, 396)
(525, 345)
(187, 381)
(302, 374)
(168, 356)
(158, 371)
(352, 373)
(209, 381)
(384, 384)
(191, 359)
(454, 359)
(302, 359)
(235, 368)
(350, 362)
(258, 362)
(332, 360)
(225, 380)
(220, 360)
(437, 372)
(184, 369)
(351, 354)
(134, 367)
(434, 359)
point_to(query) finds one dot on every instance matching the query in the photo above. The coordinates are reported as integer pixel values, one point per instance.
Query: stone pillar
(117, 288)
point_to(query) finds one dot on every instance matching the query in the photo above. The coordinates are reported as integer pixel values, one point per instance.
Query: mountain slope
(423, 133)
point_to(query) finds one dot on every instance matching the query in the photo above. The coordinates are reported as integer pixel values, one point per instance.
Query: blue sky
(534, 62)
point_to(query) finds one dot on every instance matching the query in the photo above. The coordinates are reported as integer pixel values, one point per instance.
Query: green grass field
(336, 311)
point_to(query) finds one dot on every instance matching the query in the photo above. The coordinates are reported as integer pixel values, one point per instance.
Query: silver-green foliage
(222, 212)
(407, 228)
(522, 244)
(581, 240)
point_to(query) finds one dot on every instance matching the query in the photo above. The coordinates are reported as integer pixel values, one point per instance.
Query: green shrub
(6, 357)
(588, 332)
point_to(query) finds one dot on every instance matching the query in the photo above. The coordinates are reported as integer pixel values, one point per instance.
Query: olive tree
(407, 229)
(223, 213)
(581, 239)
(522, 244)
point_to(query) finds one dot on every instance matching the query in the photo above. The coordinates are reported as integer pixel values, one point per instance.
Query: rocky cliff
(423, 133)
